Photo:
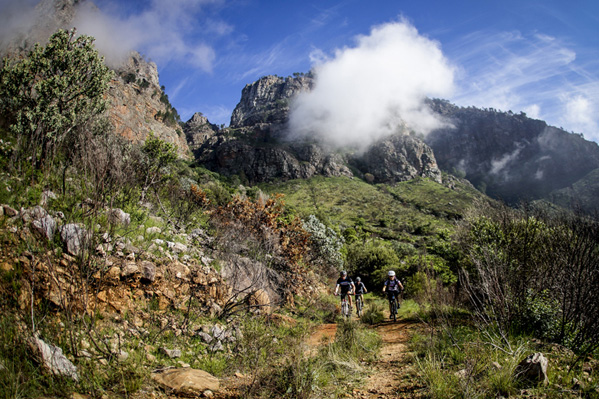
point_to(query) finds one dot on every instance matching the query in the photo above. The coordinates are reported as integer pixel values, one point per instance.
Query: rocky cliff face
(137, 105)
(266, 101)
(255, 146)
(399, 158)
(510, 155)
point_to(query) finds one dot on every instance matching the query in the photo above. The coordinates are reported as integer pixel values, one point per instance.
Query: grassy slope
(584, 193)
(404, 211)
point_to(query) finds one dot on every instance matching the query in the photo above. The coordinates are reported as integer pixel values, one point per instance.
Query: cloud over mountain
(374, 89)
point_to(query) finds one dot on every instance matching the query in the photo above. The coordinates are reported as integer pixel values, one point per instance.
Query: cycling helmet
(343, 273)
(391, 273)
(358, 279)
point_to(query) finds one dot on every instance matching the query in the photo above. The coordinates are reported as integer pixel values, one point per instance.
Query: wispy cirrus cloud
(538, 74)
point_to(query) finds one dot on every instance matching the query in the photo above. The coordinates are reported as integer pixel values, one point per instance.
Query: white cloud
(498, 165)
(164, 31)
(581, 115)
(374, 89)
(533, 111)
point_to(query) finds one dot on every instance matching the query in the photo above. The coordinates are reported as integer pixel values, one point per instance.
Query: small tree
(50, 92)
(158, 155)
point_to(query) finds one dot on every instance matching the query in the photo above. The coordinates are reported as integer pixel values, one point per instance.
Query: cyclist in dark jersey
(345, 285)
(392, 286)
(360, 289)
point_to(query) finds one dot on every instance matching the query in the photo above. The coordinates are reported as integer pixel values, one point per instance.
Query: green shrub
(373, 313)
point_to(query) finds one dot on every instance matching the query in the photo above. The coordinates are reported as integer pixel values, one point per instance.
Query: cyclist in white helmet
(392, 286)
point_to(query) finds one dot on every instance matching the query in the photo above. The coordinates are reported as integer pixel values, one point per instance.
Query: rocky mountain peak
(267, 100)
(257, 145)
(198, 131)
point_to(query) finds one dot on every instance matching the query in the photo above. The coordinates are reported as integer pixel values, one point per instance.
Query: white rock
(53, 359)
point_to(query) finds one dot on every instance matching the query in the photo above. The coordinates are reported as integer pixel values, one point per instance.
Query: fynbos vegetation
(135, 269)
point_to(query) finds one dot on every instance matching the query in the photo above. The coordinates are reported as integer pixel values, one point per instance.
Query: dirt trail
(392, 376)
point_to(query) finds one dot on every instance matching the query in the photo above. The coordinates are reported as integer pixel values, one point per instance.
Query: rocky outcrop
(399, 158)
(259, 163)
(186, 381)
(198, 131)
(138, 108)
(266, 101)
(137, 105)
(256, 146)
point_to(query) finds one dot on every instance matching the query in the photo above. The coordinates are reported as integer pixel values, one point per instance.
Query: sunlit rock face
(267, 100)
(136, 108)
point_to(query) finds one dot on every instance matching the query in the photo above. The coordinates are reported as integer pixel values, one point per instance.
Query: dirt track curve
(392, 375)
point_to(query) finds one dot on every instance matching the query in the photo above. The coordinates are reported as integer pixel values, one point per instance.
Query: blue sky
(536, 56)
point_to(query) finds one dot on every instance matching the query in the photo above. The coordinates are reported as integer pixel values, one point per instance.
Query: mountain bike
(359, 304)
(345, 308)
(393, 306)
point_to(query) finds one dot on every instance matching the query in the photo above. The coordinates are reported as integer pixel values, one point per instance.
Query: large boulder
(186, 381)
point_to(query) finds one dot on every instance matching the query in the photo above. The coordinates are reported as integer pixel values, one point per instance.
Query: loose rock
(118, 216)
(53, 359)
(172, 353)
(533, 369)
(186, 381)
(74, 236)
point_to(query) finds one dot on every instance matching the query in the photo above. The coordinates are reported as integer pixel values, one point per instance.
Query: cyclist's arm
(400, 284)
(364, 288)
(353, 287)
(336, 289)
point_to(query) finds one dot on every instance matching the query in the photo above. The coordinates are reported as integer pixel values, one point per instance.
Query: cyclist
(346, 286)
(360, 290)
(392, 287)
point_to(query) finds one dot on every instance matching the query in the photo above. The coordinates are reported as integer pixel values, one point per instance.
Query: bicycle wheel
(344, 309)
(394, 309)
(359, 305)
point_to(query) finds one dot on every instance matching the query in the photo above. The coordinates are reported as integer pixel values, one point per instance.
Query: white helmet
(391, 273)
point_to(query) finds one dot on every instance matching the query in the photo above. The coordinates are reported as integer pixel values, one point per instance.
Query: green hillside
(583, 194)
(409, 211)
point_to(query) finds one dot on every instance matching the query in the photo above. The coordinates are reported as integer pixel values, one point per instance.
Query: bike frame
(345, 305)
(359, 303)
(393, 305)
